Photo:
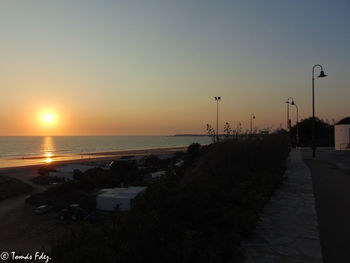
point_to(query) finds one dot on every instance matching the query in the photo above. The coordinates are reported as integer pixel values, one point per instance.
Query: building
(110, 198)
(342, 134)
(66, 172)
(153, 177)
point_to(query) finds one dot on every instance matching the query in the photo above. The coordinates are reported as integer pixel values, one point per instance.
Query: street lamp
(252, 116)
(322, 75)
(297, 135)
(288, 120)
(217, 116)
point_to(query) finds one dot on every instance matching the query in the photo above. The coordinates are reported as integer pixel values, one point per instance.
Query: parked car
(37, 200)
(73, 212)
(43, 209)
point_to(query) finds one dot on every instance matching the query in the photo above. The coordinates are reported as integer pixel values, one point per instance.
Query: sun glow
(48, 118)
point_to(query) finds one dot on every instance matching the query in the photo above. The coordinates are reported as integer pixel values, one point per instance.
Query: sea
(18, 151)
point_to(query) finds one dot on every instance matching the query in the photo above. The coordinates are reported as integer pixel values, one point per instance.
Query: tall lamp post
(217, 116)
(322, 75)
(297, 135)
(288, 119)
(252, 116)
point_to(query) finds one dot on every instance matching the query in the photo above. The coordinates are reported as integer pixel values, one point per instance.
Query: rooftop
(344, 121)
(117, 192)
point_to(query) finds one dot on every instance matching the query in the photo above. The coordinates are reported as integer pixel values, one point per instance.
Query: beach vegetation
(151, 161)
(46, 179)
(228, 132)
(211, 133)
(46, 169)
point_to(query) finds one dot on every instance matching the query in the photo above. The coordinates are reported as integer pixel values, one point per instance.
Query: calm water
(18, 151)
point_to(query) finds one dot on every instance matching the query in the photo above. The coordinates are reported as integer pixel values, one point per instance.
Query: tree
(192, 152)
(324, 133)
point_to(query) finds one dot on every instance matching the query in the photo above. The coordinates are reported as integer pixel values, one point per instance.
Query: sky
(153, 67)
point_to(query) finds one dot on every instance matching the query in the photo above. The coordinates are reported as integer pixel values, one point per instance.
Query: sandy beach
(36, 161)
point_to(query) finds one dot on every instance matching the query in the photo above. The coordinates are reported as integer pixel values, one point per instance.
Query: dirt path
(331, 184)
(24, 231)
(20, 229)
(23, 174)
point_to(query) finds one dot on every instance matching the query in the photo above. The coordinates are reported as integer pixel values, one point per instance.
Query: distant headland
(188, 135)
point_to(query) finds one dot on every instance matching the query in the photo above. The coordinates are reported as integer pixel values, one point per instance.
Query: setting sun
(48, 118)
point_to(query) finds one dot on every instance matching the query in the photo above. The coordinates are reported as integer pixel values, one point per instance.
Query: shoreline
(89, 157)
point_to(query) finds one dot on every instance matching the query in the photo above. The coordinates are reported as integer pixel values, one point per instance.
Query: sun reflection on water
(47, 147)
(48, 154)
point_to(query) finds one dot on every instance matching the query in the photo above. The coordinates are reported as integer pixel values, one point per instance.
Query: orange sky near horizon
(162, 118)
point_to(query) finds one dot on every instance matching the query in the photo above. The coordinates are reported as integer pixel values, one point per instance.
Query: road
(331, 184)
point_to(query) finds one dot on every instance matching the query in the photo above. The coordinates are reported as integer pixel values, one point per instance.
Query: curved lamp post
(297, 135)
(252, 116)
(322, 75)
(288, 120)
(217, 116)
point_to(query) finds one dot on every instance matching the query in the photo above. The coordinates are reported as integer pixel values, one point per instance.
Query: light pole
(217, 116)
(252, 116)
(288, 120)
(322, 75)
(297, 134)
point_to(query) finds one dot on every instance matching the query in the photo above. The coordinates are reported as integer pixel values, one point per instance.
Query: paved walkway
(288, 230)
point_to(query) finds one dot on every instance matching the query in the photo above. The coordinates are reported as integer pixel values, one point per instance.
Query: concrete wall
(341, 136)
